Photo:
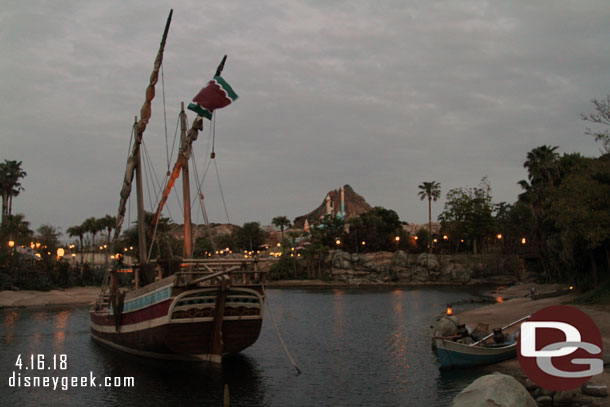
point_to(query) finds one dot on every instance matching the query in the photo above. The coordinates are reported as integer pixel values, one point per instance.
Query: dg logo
(560, 348)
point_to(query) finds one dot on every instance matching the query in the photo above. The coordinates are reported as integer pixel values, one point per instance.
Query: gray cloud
(380, 95)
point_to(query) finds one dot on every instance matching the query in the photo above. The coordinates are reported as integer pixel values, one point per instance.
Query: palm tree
(108, 223)
(281, 222)
(16, 228)
(10, 173)
(91, 225)
(542, 165)
(78, 231)
(432, 191)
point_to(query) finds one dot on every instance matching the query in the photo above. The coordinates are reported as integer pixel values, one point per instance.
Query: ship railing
(241, 271)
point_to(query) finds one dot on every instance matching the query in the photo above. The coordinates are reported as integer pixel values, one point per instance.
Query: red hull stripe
(155, 311)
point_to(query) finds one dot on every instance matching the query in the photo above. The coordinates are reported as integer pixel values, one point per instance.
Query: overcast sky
(381, 95)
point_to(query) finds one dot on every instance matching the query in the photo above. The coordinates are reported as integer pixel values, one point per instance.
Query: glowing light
(523, 240)
(449, 310)
(363, 243)
(397, 239)
(60, 252)
(571, 287)
(11, 244)
(338, 242)
(499, 300)
(499, 236)
(415, 237)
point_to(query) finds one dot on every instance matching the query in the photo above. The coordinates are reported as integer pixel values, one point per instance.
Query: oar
(503, 328)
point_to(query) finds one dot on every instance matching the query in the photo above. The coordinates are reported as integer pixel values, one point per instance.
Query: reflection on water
(356, 347)
(61, 320)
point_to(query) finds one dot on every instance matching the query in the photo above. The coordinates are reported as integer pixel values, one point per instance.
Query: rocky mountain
(353, 204)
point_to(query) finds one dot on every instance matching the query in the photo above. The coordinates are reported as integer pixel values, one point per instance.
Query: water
(355, 347)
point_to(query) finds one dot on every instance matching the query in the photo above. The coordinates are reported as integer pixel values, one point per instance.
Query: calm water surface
(355, 347)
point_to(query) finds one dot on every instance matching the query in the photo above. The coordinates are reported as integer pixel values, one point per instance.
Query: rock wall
(402, 267)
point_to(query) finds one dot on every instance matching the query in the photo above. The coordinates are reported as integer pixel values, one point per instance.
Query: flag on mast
(215, 94)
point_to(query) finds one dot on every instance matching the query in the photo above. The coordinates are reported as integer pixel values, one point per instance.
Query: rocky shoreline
(516, 303)
(424, 268)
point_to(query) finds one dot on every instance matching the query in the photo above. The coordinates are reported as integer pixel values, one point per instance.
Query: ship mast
(134, 160)
(187, 139)
(187, 251)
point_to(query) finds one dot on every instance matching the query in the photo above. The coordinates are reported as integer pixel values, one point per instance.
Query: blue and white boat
(455, 354)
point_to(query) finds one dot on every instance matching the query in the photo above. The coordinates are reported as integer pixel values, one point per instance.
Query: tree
(432, 191)
(468, 214)
(249, 236)
(330, 229)
(579, 209)
(48, 236)
(16, 228)
(108, 223)
(601, 117)
(10, 174)
(163, 245)
(281, 222)
(378, 228)
(78, 231)
(91, 225)
(542, 164)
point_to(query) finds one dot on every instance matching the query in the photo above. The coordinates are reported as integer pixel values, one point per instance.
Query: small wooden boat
(455, 354)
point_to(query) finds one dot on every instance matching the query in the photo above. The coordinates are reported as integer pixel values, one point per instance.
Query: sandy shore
(69, 296)
(517, 306)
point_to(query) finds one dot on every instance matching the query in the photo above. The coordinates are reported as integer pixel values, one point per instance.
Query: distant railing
(241, 271)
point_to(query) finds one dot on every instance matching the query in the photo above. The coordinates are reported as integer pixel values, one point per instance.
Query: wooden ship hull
(185, 323)
(208, 308)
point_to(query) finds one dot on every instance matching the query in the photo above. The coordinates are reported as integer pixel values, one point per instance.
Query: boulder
(564, 398)
(544, 401)
(421, 274)
(594, 389)
(460, 273)
(497, 389)
(447, 326)
(428, 261)
(341, 260)
(401, 259)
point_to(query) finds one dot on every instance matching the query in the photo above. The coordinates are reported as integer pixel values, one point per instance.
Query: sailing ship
(209, 308)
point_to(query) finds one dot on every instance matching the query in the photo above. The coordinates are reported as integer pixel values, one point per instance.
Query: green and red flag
(216, 94)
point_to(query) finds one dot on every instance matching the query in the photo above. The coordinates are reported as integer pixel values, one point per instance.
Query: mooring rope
(277, 331)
